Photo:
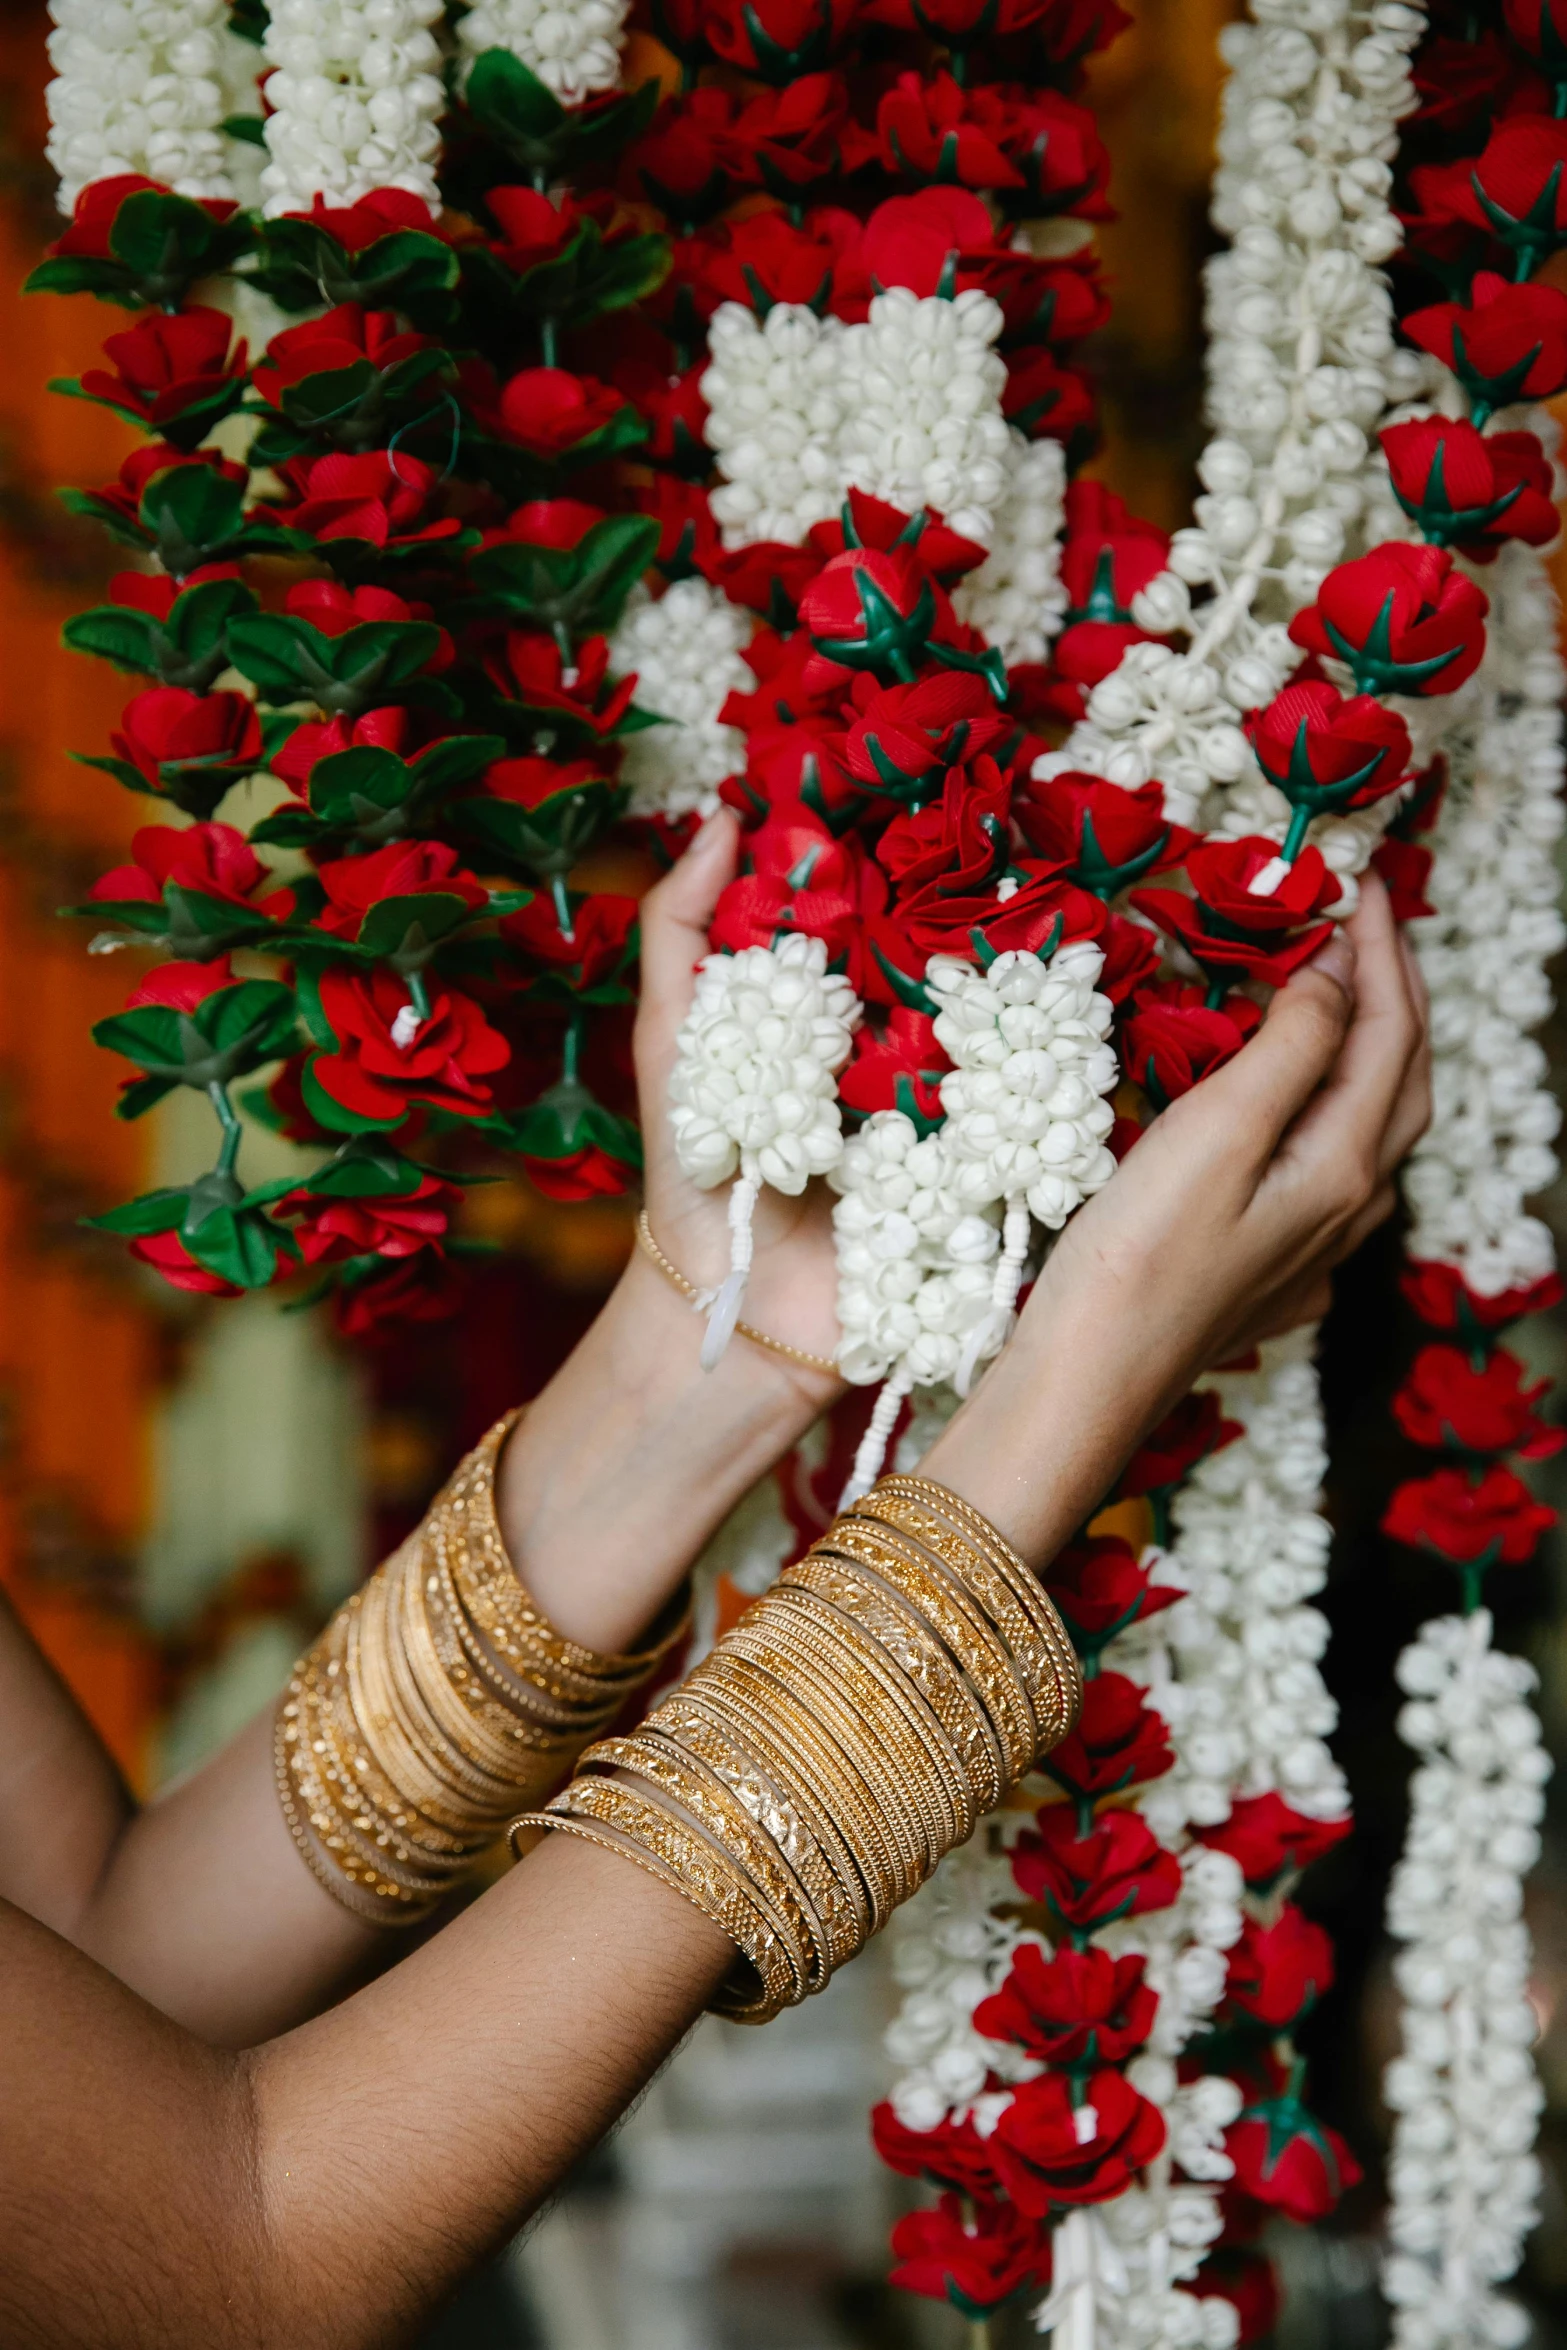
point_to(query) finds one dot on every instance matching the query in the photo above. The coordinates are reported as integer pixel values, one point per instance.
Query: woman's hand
(793, 1286)
(1222, 1227)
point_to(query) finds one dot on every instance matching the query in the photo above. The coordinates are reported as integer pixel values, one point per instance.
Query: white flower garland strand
(686, 651)
(357, 96)
(574, 50)
(145, 86)
(1015, 599)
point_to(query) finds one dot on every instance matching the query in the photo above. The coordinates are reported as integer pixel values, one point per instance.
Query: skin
(329, 2185)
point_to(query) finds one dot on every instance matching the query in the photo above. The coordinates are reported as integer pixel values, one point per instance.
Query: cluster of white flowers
(1015, 599)
(753, 1093)
(574, 50)
(906, 405)
(914, 1262)
(357, 96)
(145, 86)
(1465, 2181)
(686, 650)
(1495, 888)
(950, 1951)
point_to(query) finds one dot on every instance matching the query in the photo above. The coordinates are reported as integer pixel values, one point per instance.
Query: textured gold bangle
(825, 1364)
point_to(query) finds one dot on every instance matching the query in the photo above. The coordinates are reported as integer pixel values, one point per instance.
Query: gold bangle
(825, 1364)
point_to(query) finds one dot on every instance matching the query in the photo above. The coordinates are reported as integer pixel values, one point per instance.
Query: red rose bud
(961, 839)
(932, 921)
(345, 337)
(1045, 400)
(936, 131)
(687, 534)
(1119, 1869)
(1506, 343)
(97, 208)
(1289, 2160)
(766, 577)
(1106, 837)
(900, 1069)
(180, 987)
(864, 521)
(951, 2155)
(215, 860)
(1447, 1399)
(1278, 1972)
(786, 139)
(167, 1254)
(533, 229)
(378, 497)
(1402, 618)
(329, 1228)
(1100, 1588)
(778, 40)
(1055, 2148)
(1469, 490)
(976, 2255)
(550, 412)
(1515, 188)
(764, 259)
(156, 594)
(382, 730)
(1268, 1839)
(1108, 554)
(383, 213)
(531, 669)
(1462, 81)
(167, 366)
(682, 162)
(802, 880)
(1479, 1522)
(601, 928)
(424, 1287)
(1185, 1436)
(885, 613)
(672, 408)
(1440, 1295)
(921, 241)
(404, 869)
(1323, 751)
(1076, 2007)
(1540, 29)
(1173, 1039)
(1118, 1742)
(1231, 926)
(169, 734)
(389, 1057)
(589, 1173)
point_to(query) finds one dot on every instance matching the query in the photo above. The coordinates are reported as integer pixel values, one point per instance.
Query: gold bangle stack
(436, 1701)
(857, 1723)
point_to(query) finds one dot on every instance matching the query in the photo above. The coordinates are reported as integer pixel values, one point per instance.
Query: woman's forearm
(63, 1805)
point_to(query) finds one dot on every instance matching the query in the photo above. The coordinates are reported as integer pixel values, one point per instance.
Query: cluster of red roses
(1076, 2132)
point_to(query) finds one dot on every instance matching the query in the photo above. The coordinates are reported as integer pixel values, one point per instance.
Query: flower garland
(157, 87)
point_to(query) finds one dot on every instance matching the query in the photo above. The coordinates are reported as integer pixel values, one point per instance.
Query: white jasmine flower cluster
(574, 50)
(357, 96)
(1483, 953)
(949, 1951)
(1160, 714)
(1015, 599)
(753, 1090)
(145, 86)
(906, 405)
(685, 649)
(914, 1263)
(1465, 2180)
(1134, 2255)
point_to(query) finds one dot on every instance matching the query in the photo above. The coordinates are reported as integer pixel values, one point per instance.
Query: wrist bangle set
(436, 1701)
(856, 1724)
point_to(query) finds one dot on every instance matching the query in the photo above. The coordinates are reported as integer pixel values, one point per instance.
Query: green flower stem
(1471, 1578)
(549, 343)
(233, 1130)
(1295, 838)
(418, 993)
(1218, 989)
(562, 907)
(571, 1050)
(978, 2333)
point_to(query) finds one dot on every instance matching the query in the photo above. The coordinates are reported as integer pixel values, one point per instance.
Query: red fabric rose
(123, 495)
(164, 365)
(1106, 837)
(1044, 399)
(864, 521)
(601, 928)
(899, 1069)
(960, 840)
(329, 1229)
(167, 1254)
(589, 1173)
(757, 575)
(672, 407)
(97, 208)
(1482, 1521)
(976, 2255)
(1052, 2153)
(549, 411)
(1267, 1837)
(529, 782)
(214, 859)
(956, 23)
(1227, 928)
(765, 258)
(1313, 739)
(930, 921)
(1275, 1973)
(1289, 2160)
(910, 240)
(1506, 343)
(904, 736)
(1108, 554)
(802, 879)
(1118, 1741)
(383, 213)
(1100, 1587)
(1404, 620)
(1074, 2007)
(1448, 1399)
(1440, 1295)
(155, 593)
(168, 725)
(444, 1061)
(784, 139)
(687, 534)
(937, 130)
(561, 523)
(1469, 489)
(180, 987)
(1516, 188)
(378, 497)
(951, 2155)
(534, 229)
(1185, 1436)
(1404, 868)
(779, 40)
(405, 868)
(1173, 1039)
(1119, 1869)
(424, 1287)
(530, 668)
(340, 339)
(390, 729)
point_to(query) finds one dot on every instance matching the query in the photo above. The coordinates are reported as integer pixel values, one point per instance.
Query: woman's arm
(614, 1481)
(328, 2188)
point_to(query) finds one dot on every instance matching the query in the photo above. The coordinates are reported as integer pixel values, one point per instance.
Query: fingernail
(1336, 960)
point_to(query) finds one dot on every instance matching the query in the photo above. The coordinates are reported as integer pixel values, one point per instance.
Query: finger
(1345, 1127)
(1376, 1211)
(1411, 1112)
(1270, 1081)
(674, 919)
